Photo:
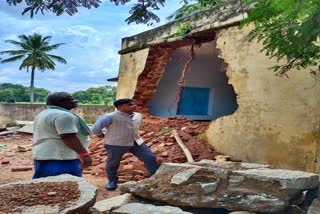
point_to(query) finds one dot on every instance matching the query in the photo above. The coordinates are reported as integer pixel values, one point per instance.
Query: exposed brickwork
(149, 78)
(157, 60)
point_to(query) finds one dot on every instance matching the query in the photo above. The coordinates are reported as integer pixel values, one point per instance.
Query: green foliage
(40, 94)
(183, 30)
(288, 30)
(104, 95)
(141, 11)
(33, 51)
(18, 93)
(189, 9)
(164, 131)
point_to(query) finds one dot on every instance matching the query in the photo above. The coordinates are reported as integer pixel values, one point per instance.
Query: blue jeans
(45, 168)
(115, 154)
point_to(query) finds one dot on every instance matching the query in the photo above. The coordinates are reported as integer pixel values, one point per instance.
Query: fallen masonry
(207, 185)
(57, 194)
(230, 185)
(201, 185)
(158, 136)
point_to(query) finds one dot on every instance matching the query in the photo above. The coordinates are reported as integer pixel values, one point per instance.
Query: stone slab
(26, 129)
(111, 203)
(137, 208)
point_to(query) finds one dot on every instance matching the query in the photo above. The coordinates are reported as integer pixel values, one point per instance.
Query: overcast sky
(92, 40)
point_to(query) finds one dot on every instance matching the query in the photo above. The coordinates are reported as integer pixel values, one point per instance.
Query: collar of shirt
(126, 114)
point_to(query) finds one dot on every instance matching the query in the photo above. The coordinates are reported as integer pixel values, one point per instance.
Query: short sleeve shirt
(47, 143)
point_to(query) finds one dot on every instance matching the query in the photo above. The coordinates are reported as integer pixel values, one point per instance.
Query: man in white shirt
(60, 139)
(122, 135)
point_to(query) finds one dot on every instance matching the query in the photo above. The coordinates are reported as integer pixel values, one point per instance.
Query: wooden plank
(183, 147)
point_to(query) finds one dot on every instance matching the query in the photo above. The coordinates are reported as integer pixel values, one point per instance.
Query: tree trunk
(32, 85)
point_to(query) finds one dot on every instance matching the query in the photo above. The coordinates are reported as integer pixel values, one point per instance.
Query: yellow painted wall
(131, 66)
(278, 119)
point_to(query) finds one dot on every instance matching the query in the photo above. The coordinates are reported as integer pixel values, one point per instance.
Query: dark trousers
(45, 168)
(115, 154)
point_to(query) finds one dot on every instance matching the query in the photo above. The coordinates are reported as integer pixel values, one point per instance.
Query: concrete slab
(23, 122)
(27, 129)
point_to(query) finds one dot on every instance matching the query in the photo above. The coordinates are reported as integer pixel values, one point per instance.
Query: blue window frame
(193, 101)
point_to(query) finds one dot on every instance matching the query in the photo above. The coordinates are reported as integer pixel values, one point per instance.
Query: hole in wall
(205, 93)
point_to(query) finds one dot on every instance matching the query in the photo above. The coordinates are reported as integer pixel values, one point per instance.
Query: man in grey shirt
(120, 130)
(60, 139)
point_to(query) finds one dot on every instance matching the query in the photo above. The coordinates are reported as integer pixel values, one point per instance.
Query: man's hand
(86, 161)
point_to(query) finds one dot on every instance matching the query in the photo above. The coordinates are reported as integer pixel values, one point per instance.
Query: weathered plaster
(228, 13)
(11, 112)
(131, 66)
(277, 120)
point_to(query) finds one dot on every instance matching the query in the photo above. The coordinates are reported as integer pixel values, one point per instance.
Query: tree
(19, 93)
(288, 29)
(6, 94)
(40, 94)
(34, 54)
(140, 12)
(101, 95)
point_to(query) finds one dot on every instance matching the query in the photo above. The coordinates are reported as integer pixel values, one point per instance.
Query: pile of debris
(14, 141)
(207, 185)
(161, 135)
(21, 126)
(158, 135)
(56, 194)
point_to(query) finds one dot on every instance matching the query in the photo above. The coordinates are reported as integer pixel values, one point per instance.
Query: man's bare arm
(71, 140)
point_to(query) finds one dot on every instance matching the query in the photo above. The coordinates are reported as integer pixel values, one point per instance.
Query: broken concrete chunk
(26, 129)
(23, 122)
(209, 187)
(227, 185)
(4, 133)
(13, 128)
(184, 176)
(234, 180)
(137, 208)
(253, 165)
(287, 178)
(315, 205)
(241, 212)
(112, 203)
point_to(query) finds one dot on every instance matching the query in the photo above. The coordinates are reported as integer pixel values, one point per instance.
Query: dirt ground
(16, 162)
(13, 159)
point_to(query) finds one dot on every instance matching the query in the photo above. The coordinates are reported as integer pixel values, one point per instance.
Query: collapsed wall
(273, 121)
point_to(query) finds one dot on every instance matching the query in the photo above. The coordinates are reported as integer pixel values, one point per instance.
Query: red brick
(21, 168)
